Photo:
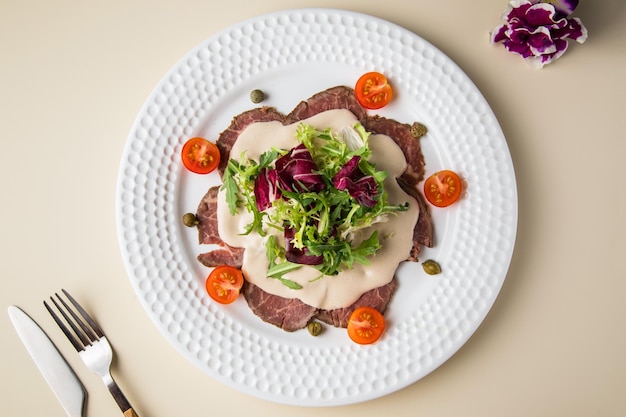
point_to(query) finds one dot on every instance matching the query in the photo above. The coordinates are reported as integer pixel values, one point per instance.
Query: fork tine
(91, 336)
(77, 345)
(84, 338)
(82, 334)
(92, 323)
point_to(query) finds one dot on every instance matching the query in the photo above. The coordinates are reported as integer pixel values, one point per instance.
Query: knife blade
(56, 371)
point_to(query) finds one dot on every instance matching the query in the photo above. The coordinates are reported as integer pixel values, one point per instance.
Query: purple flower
(539, 30)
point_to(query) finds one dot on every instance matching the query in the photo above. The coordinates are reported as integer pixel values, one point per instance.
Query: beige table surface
(73, 76)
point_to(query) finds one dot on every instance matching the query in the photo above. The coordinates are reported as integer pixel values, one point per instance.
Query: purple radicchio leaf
(299, 256)
(265, 189)
(297, 172)
(363, 188)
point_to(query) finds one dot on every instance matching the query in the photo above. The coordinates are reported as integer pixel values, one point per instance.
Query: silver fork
(90, 342)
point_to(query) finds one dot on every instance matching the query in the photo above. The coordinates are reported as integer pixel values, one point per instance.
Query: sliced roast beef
(289, 314)
(401, 134)
(208, 234)
(339, 97)
(377, 298)
(227, 256)
(228, 137)
(207, 218)
(423, 231)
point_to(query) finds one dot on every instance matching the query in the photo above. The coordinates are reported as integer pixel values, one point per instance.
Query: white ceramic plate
(292, 55)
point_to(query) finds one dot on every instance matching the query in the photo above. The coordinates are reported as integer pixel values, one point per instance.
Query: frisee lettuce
(238, 183)
(326, 221)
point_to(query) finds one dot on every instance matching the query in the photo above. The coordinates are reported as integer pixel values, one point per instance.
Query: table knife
(57, 372)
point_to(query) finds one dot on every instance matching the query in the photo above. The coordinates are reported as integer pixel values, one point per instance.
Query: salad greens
(319, 194)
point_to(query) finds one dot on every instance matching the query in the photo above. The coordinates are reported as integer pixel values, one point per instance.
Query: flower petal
(499, 34)
(565, 7)
(517, 10)
(541, 42)
(518, 48)
(519, 35)
(539, 61)
(541, 14)
(574, 30)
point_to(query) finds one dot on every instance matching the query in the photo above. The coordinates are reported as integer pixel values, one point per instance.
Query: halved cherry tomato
(200, 156)
(372, 90)
(223, 284)
(443, 188)
(366, 325)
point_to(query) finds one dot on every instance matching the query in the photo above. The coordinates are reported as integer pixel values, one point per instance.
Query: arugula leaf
(230, 186)
(368, 247)
(268, 157)
(276, 270)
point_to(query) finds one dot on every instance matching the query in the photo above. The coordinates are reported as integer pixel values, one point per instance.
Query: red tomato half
(200, 156)
(224, 283)
(366, 325)
(373, 91)
(443, 188)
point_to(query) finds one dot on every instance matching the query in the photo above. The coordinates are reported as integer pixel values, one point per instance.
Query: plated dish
(291, 55)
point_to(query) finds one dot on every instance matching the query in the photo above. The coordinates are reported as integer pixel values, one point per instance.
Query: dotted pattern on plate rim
(484, 232)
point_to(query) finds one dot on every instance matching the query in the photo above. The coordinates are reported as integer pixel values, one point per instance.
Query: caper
(257, 96)
(431, 267)
(190, 220)
(315, 328)
(418, 130)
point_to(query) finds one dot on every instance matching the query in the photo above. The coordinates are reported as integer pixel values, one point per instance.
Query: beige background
(73, 76)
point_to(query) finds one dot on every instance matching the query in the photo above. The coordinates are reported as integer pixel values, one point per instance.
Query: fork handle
(120, 399)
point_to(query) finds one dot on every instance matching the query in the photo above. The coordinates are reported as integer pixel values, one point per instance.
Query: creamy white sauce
(341, 290)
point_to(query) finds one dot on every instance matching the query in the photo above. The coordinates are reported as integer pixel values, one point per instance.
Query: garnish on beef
(265, 189)
(293, 314)
(296, 255)
(296, 171)
(361, 187)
